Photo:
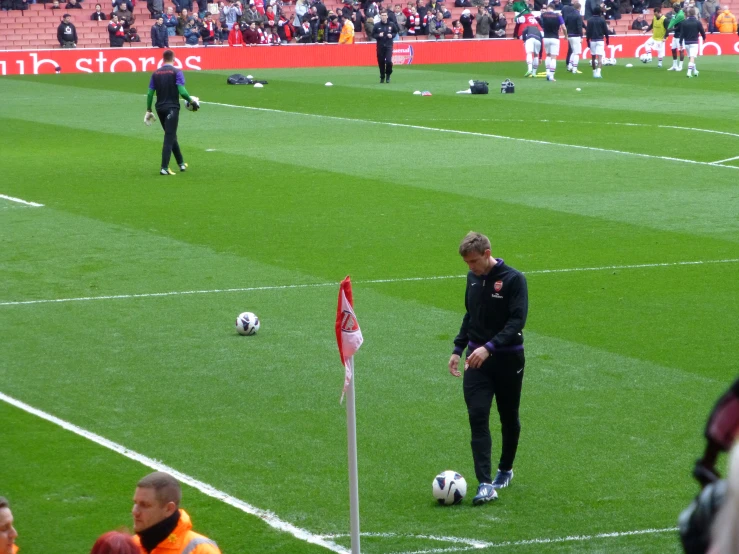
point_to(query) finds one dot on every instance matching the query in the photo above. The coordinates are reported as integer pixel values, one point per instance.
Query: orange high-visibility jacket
(347, 33)
(183, 540)
(15, 548)
(726, 22)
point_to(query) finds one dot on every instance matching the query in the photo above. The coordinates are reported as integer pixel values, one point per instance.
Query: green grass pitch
(623, 364)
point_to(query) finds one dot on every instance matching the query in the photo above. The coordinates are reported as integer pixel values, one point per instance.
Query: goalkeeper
(168, 83)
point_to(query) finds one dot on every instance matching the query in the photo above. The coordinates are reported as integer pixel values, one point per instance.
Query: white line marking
(358, 282)
(502, 120)
(21, 201)
(268, 517)
(474, 134)
(472, 544)
(727, 160)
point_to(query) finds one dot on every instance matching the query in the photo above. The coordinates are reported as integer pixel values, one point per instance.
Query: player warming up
(496, 306)
(596, 33)
(528, 30)
(676, 25)
(552, 23)
(168, 83)
(573, 24)
(691, 30)
(383, 33)
(659, 32)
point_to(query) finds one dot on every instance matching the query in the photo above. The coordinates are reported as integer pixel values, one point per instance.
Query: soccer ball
(189, 104)
(609, 61)
(645, 58)
(449, 487)
(247, 324)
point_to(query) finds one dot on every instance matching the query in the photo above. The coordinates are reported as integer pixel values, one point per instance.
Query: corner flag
(348, 334)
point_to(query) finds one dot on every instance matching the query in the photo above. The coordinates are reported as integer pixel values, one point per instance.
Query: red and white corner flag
(348, 333)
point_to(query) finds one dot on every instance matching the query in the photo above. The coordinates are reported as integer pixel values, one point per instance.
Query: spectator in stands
(401, 21)
(333, 28)
(250, 15)
(483, 22)
(437, 27)
(639, 23)
(465, 20)
(347, 32)
(231, 13)
(710, 7)
(55, 5)
(116, 32)
(192, 33)
(132, 35)
(638, 6)
(462, 4)
(98, 14)
(315, 23)
(208, 31)
(117, 5)
(726, 22)
(182, 5)
(301, 8)
(286, 30)
(236, 37)
(125, 15)
(170, 21)
(115, 542)
(66, 33)
(182, 21)
(8, 534)
(269, 38)
(155, 7)
(159, 34)
(73, 5)
(7, 5)
(613, 9)
(499, 25)
(321, 10)
(159, 520)
(270, 16)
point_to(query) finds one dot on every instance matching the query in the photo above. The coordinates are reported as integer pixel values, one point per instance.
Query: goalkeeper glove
(148, 118)
(194, 103)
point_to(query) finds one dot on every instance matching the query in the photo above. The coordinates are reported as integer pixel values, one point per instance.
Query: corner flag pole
(351, 435)
(349, 339)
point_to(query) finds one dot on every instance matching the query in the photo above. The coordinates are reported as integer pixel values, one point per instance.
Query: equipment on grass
(507, 87)
(479, 87)
(193, 104)
(449, 488)
(247, 324)
(609, 61)
(645, 58)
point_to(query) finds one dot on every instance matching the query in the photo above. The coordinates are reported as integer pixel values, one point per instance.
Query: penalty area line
(358, 282)
(473, 134)
(268, 517)
(727, 160)
(21, 201)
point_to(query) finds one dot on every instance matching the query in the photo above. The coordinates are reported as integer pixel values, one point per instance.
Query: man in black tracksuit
(383, 33)
(496, 302)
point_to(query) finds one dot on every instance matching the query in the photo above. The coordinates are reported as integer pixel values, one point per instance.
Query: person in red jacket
(235, 38)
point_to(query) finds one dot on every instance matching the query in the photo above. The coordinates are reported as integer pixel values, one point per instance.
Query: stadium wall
(123, 60)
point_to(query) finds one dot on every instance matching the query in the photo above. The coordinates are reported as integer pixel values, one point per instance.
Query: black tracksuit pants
(170, 119)
(499, 377)
(385, 60)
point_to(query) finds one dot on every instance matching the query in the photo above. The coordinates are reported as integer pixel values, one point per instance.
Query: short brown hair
(168, 55)
(166, 488)
(4, 503)
(691, 12)
(474, 242)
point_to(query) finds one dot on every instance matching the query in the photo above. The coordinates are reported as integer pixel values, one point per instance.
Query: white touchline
(21, 201)
(727, 160)
(471, 133)
(465, 544)
(268, 517)
(358, 282)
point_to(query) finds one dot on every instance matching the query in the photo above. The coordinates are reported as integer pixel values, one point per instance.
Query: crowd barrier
(120, 60)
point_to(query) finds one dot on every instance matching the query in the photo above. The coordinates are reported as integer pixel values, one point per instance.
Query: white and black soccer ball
(190, 106)
(645, 58)
(247, 324)
(609, 61)
(449, 488)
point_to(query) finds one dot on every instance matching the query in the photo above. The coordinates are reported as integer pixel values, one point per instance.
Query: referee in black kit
(169, 84)
(496, 302)
(383, 33)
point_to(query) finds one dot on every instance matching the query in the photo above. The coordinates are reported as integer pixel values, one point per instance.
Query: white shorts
(575, 44)
(677, 44)
(532, 46)
(658, 45)
(597, 48)
(693, 50)
(551, 46)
